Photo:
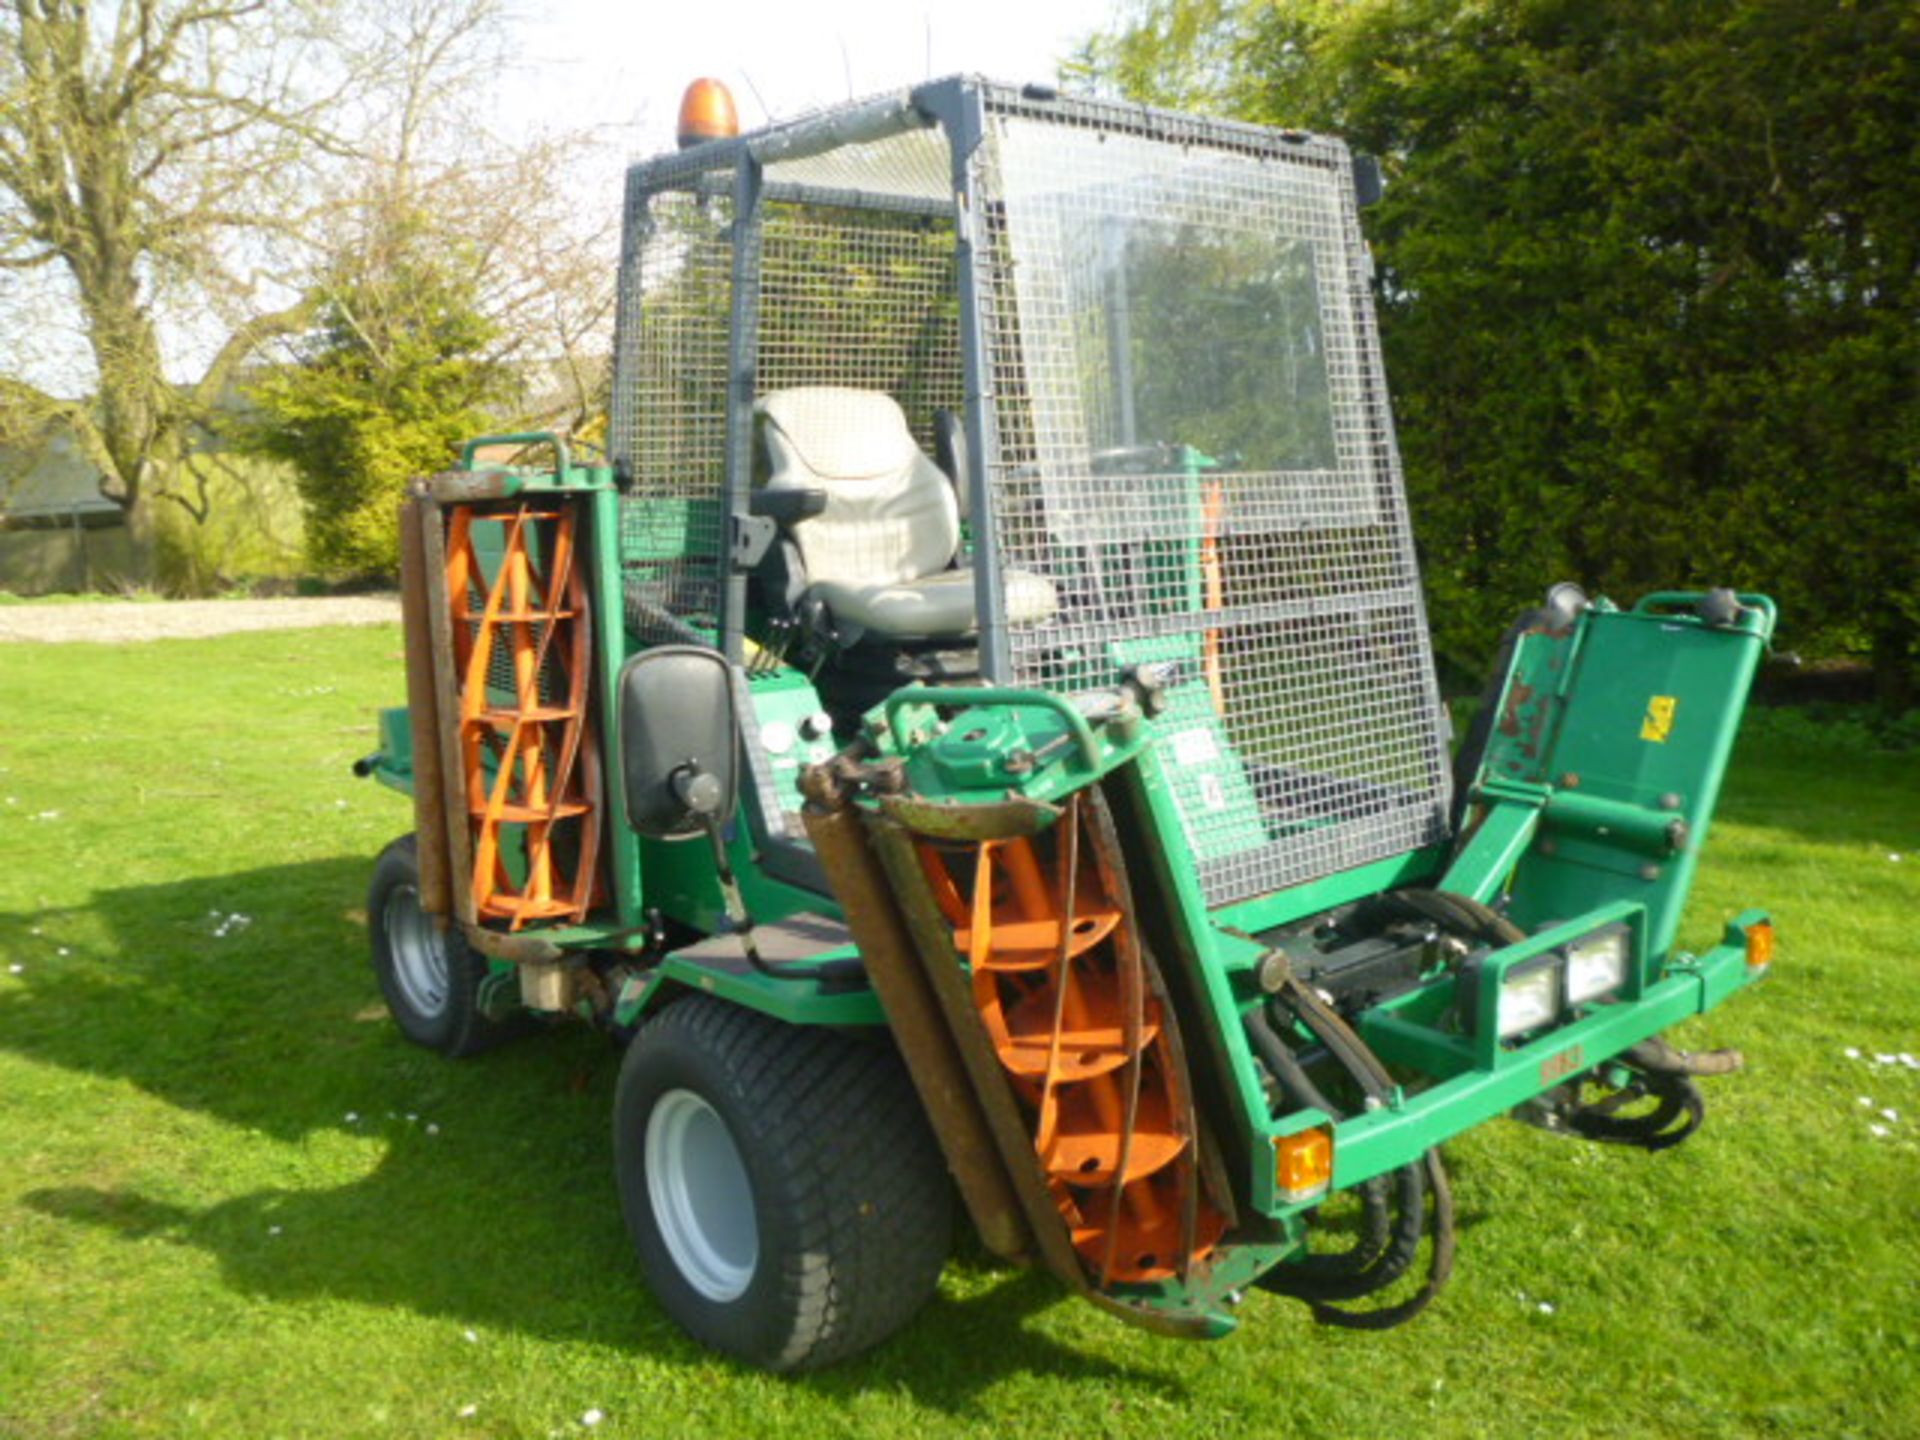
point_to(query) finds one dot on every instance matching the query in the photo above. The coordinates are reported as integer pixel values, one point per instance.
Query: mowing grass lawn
(234, 1202)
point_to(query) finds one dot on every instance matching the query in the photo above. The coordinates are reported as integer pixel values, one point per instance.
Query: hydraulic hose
(1413, 1185)
(1439, 1268)
(1655, 1054)
(1299, 1093)
(1678, 1099)
(1390, 1239)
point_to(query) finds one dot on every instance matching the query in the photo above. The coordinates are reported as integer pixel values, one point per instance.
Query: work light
(1530, 996)
(1597, 964)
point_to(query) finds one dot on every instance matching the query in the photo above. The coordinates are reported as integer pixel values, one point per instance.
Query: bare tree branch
(244, 343)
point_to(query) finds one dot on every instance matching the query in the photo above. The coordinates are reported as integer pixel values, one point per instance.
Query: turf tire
(850, 1200)
(447, 1019)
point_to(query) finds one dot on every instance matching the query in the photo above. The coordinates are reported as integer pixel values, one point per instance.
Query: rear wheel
(787, 1200)
(430, 976)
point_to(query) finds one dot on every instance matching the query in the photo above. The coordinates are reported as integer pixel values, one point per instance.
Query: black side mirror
(679, 741)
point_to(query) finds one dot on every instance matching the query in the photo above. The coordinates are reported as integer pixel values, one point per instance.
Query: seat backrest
(890, 513)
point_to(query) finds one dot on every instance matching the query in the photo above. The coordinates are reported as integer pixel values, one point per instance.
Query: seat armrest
(950, 454)
(788, 505)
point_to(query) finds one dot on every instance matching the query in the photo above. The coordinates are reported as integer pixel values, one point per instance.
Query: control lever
(703, 796)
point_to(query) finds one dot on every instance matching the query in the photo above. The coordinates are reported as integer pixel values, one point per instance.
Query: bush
(396, 375)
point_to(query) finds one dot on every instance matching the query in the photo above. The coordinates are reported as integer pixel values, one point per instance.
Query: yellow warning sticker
(1659, 722)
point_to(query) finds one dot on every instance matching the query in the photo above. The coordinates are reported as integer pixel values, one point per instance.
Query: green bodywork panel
(1208, 777)
(1605, 761)
(392, 763)
(1008, 740)
(786, 708)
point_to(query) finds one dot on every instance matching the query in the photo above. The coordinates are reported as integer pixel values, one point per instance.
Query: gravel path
(118, 620)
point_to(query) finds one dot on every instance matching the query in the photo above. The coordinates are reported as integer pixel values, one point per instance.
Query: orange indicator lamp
(1303, 1164)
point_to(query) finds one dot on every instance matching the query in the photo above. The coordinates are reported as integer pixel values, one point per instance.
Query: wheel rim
(702, 1200)
(419, 952)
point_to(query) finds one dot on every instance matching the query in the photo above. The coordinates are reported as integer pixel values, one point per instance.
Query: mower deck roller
(979, 733)
(1073, 1006)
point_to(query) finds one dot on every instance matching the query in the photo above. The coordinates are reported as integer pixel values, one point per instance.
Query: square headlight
(1597, 963)
(1530, 996)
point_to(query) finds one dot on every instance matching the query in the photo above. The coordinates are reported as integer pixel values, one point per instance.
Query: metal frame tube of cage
(962, 114)
(626, 303)
(880, 118)
(743, 347)
(861, 124)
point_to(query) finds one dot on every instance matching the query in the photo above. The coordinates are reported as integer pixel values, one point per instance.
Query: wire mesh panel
(902, 169)
(1193, 447)
(670, 411)
(863, 302)
(863, 299)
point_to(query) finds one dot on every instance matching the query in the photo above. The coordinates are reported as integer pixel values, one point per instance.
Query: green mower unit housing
(978, 740)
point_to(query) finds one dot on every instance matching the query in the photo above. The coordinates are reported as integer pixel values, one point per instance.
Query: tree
(178, 179)
(457, 293)
(396, 375)
(145, 154)
(1650, 283)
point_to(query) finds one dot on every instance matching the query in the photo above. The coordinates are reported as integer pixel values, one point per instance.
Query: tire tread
(867, 1205)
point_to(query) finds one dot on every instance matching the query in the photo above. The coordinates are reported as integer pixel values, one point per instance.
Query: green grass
(195, 1240)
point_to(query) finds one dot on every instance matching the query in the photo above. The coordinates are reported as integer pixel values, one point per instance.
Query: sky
(624, 65)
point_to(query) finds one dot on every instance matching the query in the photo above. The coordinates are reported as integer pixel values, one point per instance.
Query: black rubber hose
(1415, 1182)
(1659, 1056)
(1458, 915)
(1462, 914)
(1388, 1246)
(1300, 1093)
(1678, 1099)
(1439, 1270)
(1288, 1073)
(1339, 1039)
(1342, 1276)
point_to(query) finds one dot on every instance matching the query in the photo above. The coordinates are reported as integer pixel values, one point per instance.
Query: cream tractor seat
(879, 551)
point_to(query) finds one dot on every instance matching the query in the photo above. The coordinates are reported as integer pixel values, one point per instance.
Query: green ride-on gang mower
(979, 737)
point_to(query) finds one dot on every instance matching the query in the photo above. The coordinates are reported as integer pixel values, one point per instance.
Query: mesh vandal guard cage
(1160, 333)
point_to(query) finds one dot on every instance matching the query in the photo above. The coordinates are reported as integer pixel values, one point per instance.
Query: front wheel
(788, 1202)
(430, 976)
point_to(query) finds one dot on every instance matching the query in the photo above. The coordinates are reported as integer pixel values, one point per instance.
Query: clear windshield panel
(1193, 449)
(1204, 333)
(1170, 296)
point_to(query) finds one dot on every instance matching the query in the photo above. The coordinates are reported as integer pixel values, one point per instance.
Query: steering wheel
(1154, 457)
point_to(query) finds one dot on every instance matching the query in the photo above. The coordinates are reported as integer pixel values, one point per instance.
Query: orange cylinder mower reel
(1065, 993)
(523, 662)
